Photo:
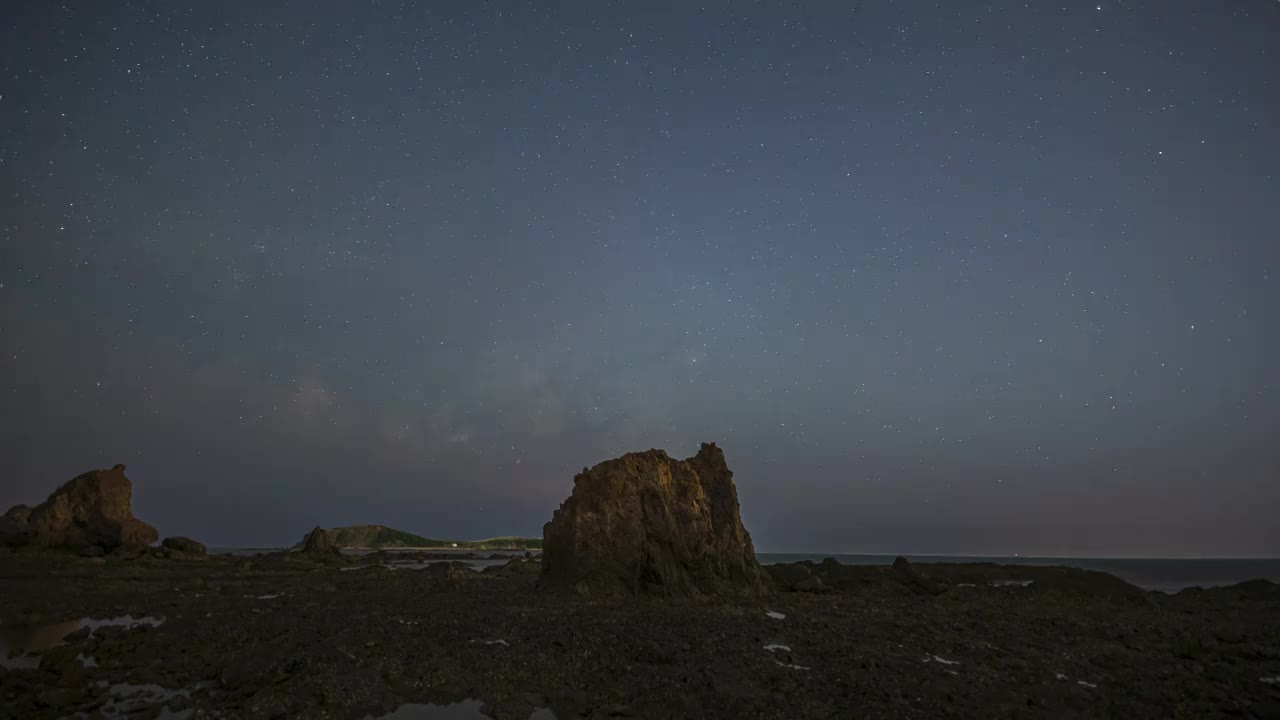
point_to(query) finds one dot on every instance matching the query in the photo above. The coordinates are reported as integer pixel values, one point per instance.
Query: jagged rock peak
(92, 510)
(645, 523)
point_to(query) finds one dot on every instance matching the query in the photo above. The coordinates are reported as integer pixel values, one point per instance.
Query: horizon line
(1031, 556)
(909, 555)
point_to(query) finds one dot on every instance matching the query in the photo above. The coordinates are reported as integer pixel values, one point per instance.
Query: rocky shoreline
(646, 602)
(288, 636)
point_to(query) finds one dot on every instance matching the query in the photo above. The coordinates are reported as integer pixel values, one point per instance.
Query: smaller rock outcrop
(786, 576)
(906, 574)
(812, 584)
(92, 510)
(183, 548)
(515, 566)
(14, 531)
(319, 545)
(450, 571)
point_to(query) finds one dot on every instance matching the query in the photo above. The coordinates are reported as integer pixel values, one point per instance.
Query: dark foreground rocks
(240, 639)
(91, 512)
(905, 578)
(649, 524)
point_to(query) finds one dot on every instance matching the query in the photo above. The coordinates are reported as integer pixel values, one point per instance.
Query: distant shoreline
(437, 548)
(820, 554)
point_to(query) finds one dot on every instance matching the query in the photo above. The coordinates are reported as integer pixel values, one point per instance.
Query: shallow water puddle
(464, 710)
(774, 646)
(129, 700)
(1011, 583)
(124, 621)
(1082, 683)
(1270, 680)
(776, 615)
(940, 660)
(788, 665)
(20, 645)
(499, 641)
(18, 662)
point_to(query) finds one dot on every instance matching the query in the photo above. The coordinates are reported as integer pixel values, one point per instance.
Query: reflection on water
(20, 644)
(465, 710)
(128, 701)
(17, 661)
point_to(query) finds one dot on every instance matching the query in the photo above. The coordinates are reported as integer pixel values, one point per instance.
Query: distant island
(379, 537)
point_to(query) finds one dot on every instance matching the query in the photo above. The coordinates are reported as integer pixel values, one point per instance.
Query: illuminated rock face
(645, 523)
(92, 510)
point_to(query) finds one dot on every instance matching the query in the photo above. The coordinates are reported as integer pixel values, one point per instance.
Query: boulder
(183, 548)
(320, 546)
(645, 523)
(13, 526)
(90, 510)
(787, 575)
(515, 566)
(904, 573)
(813, 584)
(128, 552)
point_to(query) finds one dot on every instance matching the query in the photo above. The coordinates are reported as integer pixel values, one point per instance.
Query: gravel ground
(278, 638)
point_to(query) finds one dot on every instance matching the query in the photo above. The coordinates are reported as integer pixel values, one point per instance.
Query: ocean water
(1165, 575)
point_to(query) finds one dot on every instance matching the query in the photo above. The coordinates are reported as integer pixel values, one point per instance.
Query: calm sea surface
(1150, 573)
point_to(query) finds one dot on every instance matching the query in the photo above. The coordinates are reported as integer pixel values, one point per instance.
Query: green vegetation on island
(377, 537)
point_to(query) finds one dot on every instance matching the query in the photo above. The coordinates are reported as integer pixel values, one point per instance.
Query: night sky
(938, 277)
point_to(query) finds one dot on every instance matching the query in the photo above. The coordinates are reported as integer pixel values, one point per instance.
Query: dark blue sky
(939, 277)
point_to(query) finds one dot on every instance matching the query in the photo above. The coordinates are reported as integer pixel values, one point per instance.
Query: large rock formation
(646, 523)
(89, 511)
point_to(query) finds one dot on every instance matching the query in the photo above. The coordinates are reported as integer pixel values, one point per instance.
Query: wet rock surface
(258, 638)
(645, 523)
